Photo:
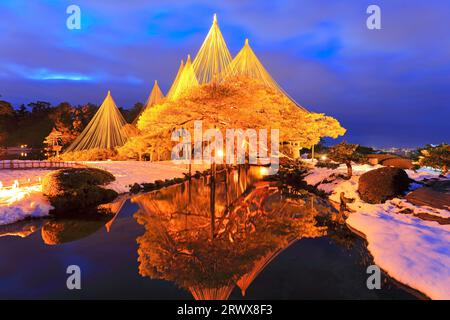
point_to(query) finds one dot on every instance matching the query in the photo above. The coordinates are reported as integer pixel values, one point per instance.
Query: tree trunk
(349, 170)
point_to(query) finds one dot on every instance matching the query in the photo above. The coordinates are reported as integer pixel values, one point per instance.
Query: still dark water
(239, 238)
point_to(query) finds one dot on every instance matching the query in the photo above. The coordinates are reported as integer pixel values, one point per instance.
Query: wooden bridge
(37, 164)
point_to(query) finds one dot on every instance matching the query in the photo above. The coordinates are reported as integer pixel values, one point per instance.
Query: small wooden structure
(53, 143)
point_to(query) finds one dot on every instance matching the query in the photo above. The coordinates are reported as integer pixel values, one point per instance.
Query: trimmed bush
(327, 164)
(89, 155)
(77, 189)
(382, 184)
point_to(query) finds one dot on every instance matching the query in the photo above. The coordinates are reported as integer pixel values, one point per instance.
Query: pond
(237, 238)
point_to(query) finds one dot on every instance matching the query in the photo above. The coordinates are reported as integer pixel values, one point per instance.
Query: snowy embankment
(26, 199)
(130, 172)
(19, 203)
(413, 251)
(21, 195)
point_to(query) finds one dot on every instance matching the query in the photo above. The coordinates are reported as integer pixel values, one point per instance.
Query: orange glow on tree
(213, 59)
(104, 131)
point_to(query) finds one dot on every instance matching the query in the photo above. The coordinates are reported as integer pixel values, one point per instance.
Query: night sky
(388, 87)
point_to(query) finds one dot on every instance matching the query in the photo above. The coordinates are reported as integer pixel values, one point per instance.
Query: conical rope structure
(175, 82)
(213, 59)
(155, 97)
(187, 80)
(104, 131)
(247, 64)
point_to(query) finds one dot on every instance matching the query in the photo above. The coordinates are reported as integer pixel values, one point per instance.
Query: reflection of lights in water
(323, 158)
(235, 176)
(264, 171)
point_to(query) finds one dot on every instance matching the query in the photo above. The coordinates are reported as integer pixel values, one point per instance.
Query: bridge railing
(36, 164)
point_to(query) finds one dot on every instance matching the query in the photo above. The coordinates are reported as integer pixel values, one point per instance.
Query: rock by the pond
(379, 185)
(398, 162)
(76, 190)
(389, 160)
(430, 197)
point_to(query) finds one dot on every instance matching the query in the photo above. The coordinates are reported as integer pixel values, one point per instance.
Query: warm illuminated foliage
(240, 103)
(135, 148)
(247, 64)
(345, 153)
(175, 82)
(436, 157)
(95, 154)
(156, 96)
(185, 82)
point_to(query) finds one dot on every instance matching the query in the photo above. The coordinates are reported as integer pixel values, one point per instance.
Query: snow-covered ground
(22, 202)
(27, 199)
(413, 251)
(130, 172)
(24, 177)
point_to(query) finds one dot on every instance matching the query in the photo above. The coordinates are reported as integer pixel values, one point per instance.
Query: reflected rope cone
(247, 64)
(213, 58)
(104, 131)
(155, 97)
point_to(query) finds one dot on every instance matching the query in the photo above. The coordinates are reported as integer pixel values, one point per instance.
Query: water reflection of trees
(59, 231)
(208, 242)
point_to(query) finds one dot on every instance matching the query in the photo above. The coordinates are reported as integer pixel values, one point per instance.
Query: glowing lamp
(263, 171)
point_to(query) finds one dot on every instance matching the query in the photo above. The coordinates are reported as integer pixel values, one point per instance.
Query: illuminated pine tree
(241, 103)
(437, 157)
(213, 59)
(174, 86)
(186, 81)
(104, 131)
(155, 97)
(247, 64)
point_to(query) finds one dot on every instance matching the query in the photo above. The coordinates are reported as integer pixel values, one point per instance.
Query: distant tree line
(30, 124)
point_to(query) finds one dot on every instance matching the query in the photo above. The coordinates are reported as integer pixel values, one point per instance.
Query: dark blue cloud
(388, 87)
